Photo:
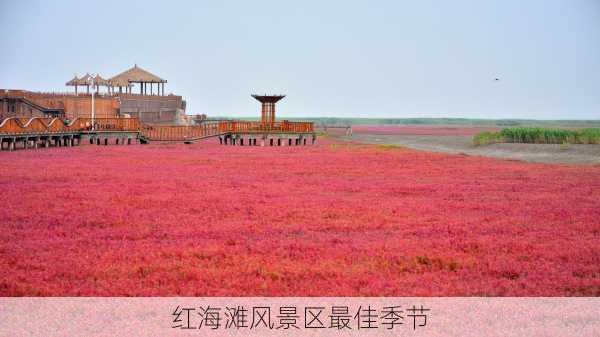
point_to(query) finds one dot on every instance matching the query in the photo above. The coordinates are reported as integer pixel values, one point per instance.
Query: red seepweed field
(327, 220)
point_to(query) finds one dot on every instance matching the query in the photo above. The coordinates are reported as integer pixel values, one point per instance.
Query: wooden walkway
(48, 131)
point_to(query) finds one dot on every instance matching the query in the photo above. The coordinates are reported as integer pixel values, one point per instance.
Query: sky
(379, 59)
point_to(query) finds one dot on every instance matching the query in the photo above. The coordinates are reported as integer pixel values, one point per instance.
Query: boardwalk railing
(37, 125)
(260, 127)
(180, 133)
(40, 126)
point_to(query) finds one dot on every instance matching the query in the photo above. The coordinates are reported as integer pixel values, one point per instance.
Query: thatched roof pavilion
(125, 80)
(141, 76)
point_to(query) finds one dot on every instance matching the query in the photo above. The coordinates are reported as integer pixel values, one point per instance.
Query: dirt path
(544, 153)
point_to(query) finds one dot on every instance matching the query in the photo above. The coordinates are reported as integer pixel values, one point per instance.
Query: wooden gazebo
(141, 76)
(100, 81)
(73, 83)
(85, 81)
(120, 83)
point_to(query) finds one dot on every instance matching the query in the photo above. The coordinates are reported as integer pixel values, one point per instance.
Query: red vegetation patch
(326, 220)
(427, 130)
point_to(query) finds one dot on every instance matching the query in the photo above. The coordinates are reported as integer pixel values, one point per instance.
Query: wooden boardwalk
(47, 132)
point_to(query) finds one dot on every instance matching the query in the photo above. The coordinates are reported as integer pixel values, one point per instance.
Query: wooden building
(134, 93)
(27, 104)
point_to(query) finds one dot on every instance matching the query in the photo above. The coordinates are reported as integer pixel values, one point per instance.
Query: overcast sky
(331, 58)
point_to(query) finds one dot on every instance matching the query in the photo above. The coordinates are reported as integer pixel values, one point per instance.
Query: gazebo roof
(268, 98)
(73, 82)
(84, 80)
(99, 80)
(119, 82)
(137, 74)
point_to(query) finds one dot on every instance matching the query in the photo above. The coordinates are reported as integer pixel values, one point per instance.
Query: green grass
(539, 135)
(485, 138)
(389, 146)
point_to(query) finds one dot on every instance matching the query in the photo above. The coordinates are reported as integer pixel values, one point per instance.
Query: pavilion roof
(119, 82)
(137, 74)
(268, 98)
(73, 82)
(99, 80)
(85, 79)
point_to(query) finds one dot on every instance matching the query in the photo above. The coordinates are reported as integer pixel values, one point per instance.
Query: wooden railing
(259, 127)
(179, 133)
(37, 125)
(18, 126)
